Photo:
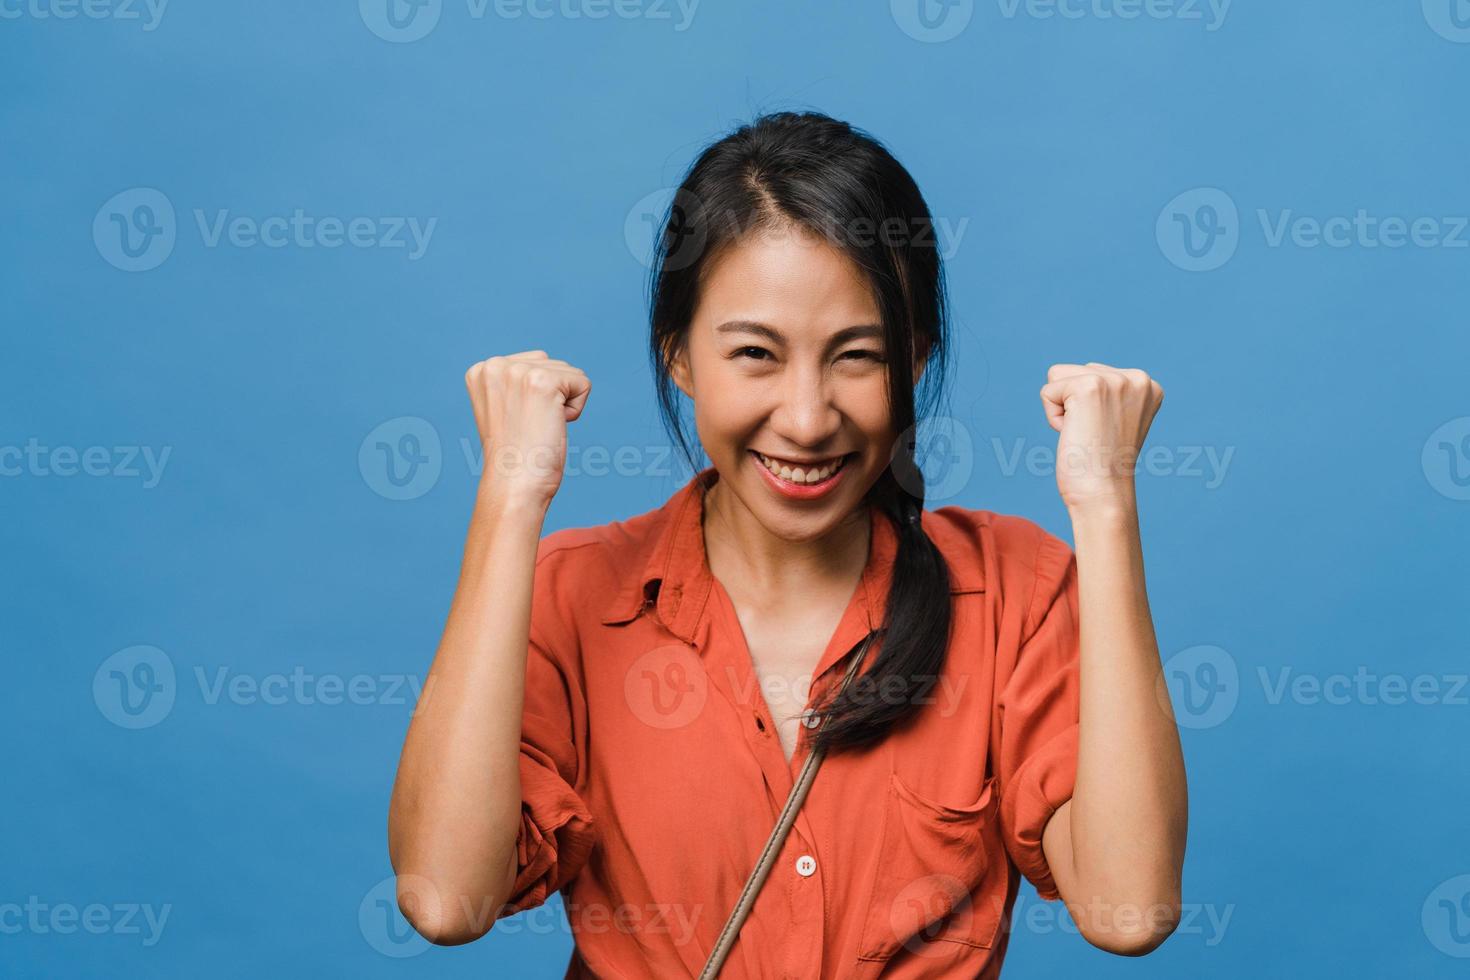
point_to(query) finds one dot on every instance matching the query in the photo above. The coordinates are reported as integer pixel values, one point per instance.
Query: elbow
(1134, 930)
(437, 920)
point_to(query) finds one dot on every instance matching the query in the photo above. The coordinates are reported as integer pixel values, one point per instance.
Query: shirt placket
(796, 880)
(800, 870)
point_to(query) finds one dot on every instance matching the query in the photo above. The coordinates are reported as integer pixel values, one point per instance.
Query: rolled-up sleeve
(556, 832)
(1039, 701)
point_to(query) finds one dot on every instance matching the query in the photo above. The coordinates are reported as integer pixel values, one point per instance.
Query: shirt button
(806, 865)
(812, 720)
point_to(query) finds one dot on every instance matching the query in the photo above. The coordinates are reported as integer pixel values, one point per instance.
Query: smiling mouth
(808, 473)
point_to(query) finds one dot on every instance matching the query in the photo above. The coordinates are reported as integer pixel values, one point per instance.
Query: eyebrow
(859, 332)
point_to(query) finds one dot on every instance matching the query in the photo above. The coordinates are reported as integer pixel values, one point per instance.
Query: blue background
(1332, 835)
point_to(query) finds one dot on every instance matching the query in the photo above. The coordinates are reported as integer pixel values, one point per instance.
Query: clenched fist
(522, 405)
(1103, 414)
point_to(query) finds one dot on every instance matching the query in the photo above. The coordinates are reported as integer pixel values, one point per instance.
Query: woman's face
(786, 365)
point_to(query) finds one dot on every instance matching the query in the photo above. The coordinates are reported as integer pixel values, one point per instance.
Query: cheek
(867, 408)
(725, 410)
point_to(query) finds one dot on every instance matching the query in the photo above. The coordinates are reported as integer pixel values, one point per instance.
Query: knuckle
(541, 382)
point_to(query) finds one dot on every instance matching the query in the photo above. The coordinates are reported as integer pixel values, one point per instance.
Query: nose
(807, 417)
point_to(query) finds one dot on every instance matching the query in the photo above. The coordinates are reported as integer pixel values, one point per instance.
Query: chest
(784, 650)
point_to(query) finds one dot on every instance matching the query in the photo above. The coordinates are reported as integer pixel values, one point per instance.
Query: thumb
(1053, 400)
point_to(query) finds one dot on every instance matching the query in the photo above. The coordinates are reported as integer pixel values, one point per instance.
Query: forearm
(456, 801)
(1128, 811)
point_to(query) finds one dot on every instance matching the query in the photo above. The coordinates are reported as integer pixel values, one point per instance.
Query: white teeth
(797, 474)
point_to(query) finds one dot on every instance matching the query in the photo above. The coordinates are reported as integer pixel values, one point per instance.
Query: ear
(679, 370)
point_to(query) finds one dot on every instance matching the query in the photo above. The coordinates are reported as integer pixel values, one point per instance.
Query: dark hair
(807, 169)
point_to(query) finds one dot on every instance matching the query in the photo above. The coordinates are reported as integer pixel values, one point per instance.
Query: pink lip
(800, 491)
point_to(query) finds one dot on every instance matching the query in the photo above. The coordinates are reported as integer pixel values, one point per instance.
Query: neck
(750, 560)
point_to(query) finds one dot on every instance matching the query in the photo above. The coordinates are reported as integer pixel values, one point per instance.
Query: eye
(740, 352)
(875, 356)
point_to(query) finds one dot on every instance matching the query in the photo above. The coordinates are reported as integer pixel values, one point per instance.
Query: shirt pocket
(940, 879)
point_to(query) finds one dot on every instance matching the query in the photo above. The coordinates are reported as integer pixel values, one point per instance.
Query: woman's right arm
(456, 805)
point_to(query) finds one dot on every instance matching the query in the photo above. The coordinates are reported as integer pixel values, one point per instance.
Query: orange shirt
(651, 773)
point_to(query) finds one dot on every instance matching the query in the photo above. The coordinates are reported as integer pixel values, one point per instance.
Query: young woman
(620, 712)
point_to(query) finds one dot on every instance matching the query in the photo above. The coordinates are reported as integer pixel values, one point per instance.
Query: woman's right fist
(522, 405)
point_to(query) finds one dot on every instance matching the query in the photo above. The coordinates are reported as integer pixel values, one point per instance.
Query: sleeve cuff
(1040, 786)
(554, 840)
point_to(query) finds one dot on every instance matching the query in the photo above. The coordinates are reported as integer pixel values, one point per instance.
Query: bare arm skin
(1116, 848)
(456, 804)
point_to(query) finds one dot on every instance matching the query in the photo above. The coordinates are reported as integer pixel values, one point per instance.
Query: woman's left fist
(1103, 414)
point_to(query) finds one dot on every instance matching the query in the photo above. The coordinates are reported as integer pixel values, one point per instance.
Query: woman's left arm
(1116, 848)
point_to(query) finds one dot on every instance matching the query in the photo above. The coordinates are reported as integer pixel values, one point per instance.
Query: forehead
(793, 280)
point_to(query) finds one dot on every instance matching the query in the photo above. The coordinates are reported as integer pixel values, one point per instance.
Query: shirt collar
(675, 579)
